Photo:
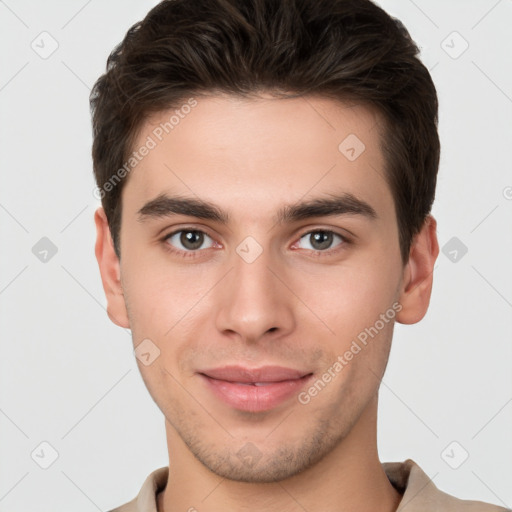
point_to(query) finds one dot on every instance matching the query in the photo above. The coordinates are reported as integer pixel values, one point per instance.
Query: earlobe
(110, 271)
(418, 274)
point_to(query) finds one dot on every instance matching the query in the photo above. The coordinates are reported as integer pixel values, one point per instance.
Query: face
(259, 250)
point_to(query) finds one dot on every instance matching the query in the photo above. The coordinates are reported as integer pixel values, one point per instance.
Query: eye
(320, 240)
(189, 240)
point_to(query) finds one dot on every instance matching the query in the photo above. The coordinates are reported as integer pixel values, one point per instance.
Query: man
(267, 171)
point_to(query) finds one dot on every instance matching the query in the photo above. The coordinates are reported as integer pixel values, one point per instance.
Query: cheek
(170, 307)
(350, 297)
(156, 290)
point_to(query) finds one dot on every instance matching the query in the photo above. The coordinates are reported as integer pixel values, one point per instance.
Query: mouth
(254, 390)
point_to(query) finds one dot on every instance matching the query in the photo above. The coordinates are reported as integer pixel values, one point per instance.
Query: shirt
(419, 494)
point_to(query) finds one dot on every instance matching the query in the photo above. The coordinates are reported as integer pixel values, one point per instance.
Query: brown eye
(189, 240)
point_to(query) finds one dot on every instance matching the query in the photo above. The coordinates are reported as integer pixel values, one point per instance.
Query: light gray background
(68, 376)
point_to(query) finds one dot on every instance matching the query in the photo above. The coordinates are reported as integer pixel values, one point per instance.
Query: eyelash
(195, 253)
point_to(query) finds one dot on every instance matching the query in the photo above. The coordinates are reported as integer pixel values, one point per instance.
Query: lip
(254, 389)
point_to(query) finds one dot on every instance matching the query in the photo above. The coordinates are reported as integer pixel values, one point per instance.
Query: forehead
(258, 151)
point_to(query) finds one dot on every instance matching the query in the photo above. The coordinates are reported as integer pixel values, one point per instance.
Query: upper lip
(262, 374)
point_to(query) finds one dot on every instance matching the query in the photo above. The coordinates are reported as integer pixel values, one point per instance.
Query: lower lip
(255, 398)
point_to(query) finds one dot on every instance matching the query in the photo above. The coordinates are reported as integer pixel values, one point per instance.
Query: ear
(110, 271)
(418, 274)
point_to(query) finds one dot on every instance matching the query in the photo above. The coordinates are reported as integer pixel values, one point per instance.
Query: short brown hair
(341, 49)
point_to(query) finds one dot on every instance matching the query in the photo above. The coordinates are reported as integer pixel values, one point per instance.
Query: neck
(349, 479)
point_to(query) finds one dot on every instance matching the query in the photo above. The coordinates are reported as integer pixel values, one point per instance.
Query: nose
(254, 303)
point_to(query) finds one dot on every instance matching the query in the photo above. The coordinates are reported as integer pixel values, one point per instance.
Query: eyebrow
(344, 204)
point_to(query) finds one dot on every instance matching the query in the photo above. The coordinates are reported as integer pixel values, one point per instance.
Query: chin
(249, 465)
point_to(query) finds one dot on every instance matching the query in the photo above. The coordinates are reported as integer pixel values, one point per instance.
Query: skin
(293, 306)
